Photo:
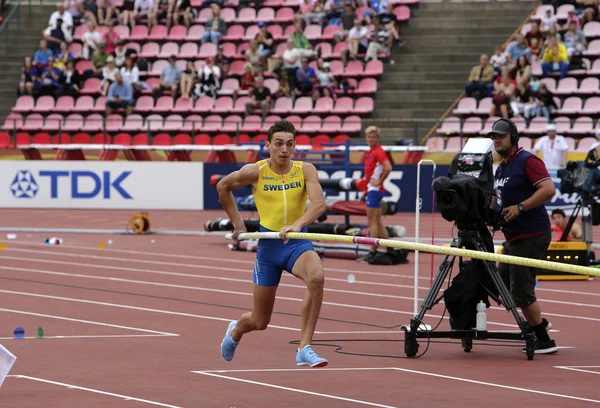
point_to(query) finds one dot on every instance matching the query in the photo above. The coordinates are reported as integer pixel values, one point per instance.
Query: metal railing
(12, 24)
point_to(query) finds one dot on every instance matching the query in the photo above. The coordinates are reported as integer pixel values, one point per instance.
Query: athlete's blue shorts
(273, 257)
(373, 199)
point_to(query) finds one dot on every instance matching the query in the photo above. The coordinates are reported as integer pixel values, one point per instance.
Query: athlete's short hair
(281, 126)
(370, 129)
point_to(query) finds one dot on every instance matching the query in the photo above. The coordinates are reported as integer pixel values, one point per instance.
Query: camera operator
(592, 161)
(524, 186)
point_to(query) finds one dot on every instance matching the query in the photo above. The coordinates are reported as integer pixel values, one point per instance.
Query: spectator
(63, 56)
(524, 103)
(306, 78)
(188, 80)
(131, 74)
(141, 8)
(535, 49)
(347, 22)
(111, 38)
(326, 84)
(161, 11)
(358, 39)
(55, 36)
(555, 58)
(552, 34)
(548, 20)
(29, 78)
(519, 48)
(534, 33)
(120, 96)
(284, 89)
(169, 78)
(299, 38)
(98, 62)
(292, 58)
(264, 40)
(312, 11)
(90, 41)
(377, 7)
(260, 98)
(247, 82)
(64, 15)
(546, 104)
(180, 9)
(215, 28)
(86, 11)
(521, 73)
(70, 79)
(106, 9)
(209, 79)
(572, 19)
(109, 73)
(575, 41)
(390, 22)
(41, 56)
(553, 148)
(499, 60)
(503, 92)
(481, 78)
(254, 58)
(222, 62)
(381, 41)
(120, 55)
(336, 8)
(587, 9)
(50, 79)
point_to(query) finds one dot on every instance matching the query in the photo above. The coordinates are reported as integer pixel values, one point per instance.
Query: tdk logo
(103, 184)
(24, 185)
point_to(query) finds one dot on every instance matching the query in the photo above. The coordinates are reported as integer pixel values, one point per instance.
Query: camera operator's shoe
(544, 348)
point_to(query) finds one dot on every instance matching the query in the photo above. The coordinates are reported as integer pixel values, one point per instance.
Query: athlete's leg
(260, 316)
(374, 217)
(309, 268)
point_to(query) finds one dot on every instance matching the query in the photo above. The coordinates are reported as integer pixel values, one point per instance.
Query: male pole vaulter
(280, 187)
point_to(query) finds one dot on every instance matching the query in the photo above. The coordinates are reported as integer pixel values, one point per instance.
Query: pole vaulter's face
(282, 147)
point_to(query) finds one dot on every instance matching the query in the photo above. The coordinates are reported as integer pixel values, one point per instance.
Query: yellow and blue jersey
(280, 198)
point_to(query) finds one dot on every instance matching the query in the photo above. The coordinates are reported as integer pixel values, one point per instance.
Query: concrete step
(432, 85)
(401, 79)
(439, 59)
(421, 94)
(469, 7)
(464, 29)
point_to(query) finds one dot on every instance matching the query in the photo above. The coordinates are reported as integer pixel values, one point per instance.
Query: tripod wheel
(467, 345)
(529, 346)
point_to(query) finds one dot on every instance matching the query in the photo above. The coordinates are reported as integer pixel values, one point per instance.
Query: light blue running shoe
(307, 356)
(228, 345)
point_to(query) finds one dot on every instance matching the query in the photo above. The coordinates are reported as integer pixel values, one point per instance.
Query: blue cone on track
(19, 332)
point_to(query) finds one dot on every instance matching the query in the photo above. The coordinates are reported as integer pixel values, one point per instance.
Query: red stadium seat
(61, 138)
(182, 139)
(41, 138)
(161, 139)
(202, 140)
(5, 141)
(81, 138)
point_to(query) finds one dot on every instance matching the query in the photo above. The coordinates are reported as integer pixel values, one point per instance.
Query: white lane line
(100, 336)
(580, 369)
(92, 390)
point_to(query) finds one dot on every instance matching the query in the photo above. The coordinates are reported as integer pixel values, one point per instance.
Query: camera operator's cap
(501, 127)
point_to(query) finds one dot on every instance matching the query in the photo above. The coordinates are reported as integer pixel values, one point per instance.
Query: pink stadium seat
(144, 103)
(276, 31)
(122, 31)
(133, 123)
(53, 123)
(374, 68)
(331, 124)
(435, 144)
(562, 12)
(80, 30)
(228, 14)
(269, 121)
(352, 124)
(402, 14)
(234, 33)
(64, 104)
(232, 124)
(585, 144)
(93, 123)
(113, 123)
(325, 48)
(139, 33)
(329, 32)
(589, 86)
(296, 120)
(312, 32)
(272, 84)
(591, 106)
(466, 106)
(454, 144)
(583, 126)
(566, 86)
(246, 15)
(73, 123)
(265, 14)
(240, 105)
(563, 124)
(100, 104)
(212, 123)
(183, 105)
(12, 122)
(571, 106)
(251, 33)
(163, 104)
(195, 33)
(252, 124)
(337, 50)
(595, 69)
(487, 126)
(303, 105)
(153, 123)
(593, 49)
(150, 50)
(173, 123)
(364, 106)
(224, 104)
(84, 104)
(541, 12)
(591, 30)
(177, 33)
(33, 123)
(311, 124)
(472, 126)
(134, 46)
(353, 69)
(193, 124)
(76, 50)
(323, 106)
(204, 15)
(158, 33)
(537, 126)
(283, 106)
(91, 87)
(450, 126)
(366, 86)
(168, 49)
(284, 15)
(207, 50)
(24, 104)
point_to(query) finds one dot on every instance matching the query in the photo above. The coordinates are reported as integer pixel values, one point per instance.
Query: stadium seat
(450, 126)
(73, 123)
(583, 125)
(24, 104)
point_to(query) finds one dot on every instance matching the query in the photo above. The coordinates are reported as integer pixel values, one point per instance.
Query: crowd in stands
(212, 57)
(546, 76)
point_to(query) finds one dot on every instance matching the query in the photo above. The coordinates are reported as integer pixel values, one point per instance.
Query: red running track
(142, 322)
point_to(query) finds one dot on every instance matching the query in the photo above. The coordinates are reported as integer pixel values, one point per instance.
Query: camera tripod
(470, 239)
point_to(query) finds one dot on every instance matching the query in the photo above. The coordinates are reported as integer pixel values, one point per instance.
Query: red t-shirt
(374, 160)
(535, 173)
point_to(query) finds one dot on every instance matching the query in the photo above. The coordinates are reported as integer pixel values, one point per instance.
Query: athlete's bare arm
(247, 175)
(576, 232)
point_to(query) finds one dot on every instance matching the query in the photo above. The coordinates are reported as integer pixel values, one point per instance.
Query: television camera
(468, 198)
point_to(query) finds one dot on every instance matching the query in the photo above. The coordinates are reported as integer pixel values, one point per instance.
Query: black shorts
(120, 104)
(521, 279)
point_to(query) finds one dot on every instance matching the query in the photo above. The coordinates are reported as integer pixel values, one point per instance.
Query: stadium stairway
(442, 44)
(22, 43)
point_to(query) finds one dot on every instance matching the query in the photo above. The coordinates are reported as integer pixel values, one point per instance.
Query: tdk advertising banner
(101, 185)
